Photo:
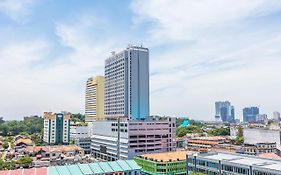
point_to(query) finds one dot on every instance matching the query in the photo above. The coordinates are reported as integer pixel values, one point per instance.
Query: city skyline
(48, 51)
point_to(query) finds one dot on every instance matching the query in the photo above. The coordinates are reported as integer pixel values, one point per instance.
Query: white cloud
(16, 9)
(33, 81)
(213, 51)
(183, 19)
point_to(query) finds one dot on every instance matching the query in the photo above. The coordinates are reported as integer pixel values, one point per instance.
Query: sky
(201, 51)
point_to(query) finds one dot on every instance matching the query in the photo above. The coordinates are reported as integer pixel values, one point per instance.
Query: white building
(127, 83)
(261, 135)
(261, 118)
(56, 128)
(78, 131)
(81, 136)
(125, 139)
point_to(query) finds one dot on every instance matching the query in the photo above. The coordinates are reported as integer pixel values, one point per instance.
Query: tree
(29, 125)
(197, 173)
(77, 118)
(188, 129)
(24, 161)
(5, 145)
(239, 138)
(220, 132)
(1, 120)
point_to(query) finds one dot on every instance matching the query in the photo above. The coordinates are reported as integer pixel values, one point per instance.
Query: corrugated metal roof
(96, 168)
(133, 164)
(79, 169)
(105, 167)
(53, 171)
(115, 166)
(124, 165)
(85, 169)
(63, 170)
(74, 169)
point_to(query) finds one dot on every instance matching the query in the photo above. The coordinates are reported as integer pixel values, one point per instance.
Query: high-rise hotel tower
(127, 83)
(94, 101)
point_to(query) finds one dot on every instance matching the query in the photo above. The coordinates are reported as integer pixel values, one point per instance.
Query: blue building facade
(250, 113)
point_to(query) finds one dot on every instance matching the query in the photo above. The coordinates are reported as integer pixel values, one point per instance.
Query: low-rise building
(54, 155)
(258, 148)
(163, 163)
(23, 143)
(123, 139)
(261, 135)
(234, 164)
(120, 167)
(201, 144)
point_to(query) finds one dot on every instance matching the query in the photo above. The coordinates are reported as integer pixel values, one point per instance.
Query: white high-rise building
(127, 83)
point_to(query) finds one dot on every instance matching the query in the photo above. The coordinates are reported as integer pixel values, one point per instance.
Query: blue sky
(200, 52)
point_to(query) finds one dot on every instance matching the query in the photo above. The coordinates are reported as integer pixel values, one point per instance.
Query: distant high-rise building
(250, 113)
(56, 128)
(224, 111)
(261, 118)
(276, 116)
(127, 83)
(94, 103)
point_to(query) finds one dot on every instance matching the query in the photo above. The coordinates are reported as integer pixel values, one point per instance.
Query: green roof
(133, 164)
(74, 169)
(106, 168)
(115, 166)
(63, 170)
(85, 169)
(124, 165)
(96, 168)
(53, 171)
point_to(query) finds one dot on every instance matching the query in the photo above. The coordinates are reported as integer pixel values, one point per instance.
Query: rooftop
(270, 156)
(167, 156)
(205, 142)
(79, 169)
(244, 160)
(26, 141)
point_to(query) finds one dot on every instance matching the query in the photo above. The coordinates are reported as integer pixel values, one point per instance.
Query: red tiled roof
(270, 156)
(29, 171)
(16, 172)
(33, 171)
(5, 172)
(203, 142)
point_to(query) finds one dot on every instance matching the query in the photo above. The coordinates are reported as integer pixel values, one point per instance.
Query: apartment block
(56, 128)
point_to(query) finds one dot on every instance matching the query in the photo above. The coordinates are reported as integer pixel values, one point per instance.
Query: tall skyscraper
(56, 128)
(94, 103)
(250, 114)
(224, 111)
(127, 83)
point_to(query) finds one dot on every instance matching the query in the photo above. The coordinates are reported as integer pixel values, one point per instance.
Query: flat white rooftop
(247, 160)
